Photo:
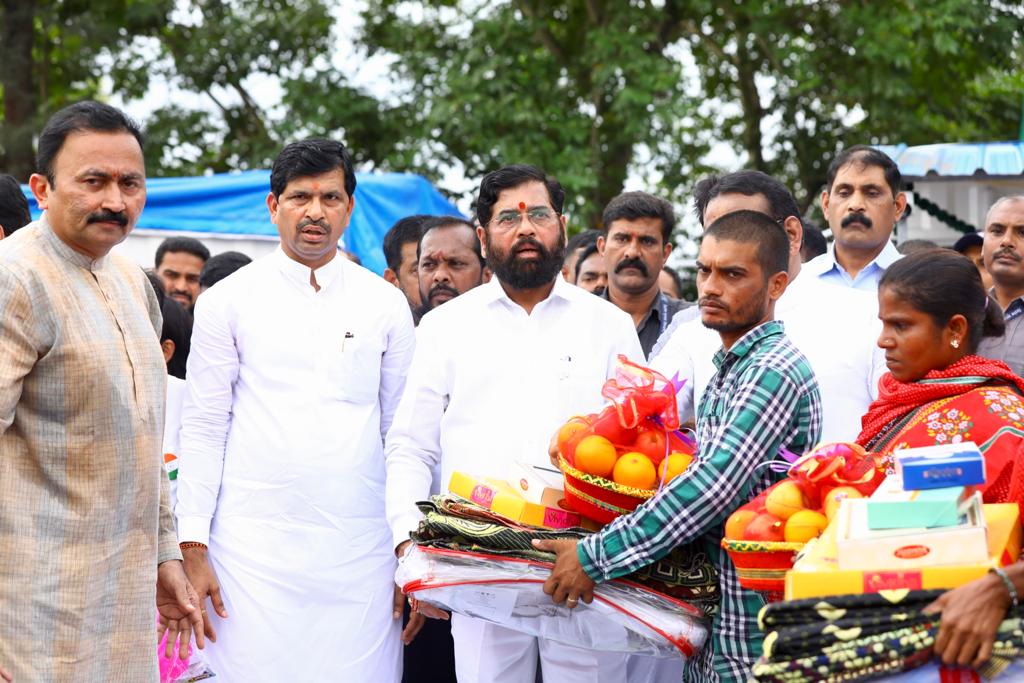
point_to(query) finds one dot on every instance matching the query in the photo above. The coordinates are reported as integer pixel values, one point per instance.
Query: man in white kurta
(496, 371)
(834, 327)
(293, 377)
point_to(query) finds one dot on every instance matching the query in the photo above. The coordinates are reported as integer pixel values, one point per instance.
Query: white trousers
(486, 653)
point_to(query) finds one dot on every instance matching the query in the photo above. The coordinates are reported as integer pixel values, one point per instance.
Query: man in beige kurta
(84, 513)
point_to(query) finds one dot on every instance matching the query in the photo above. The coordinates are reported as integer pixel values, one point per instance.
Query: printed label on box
(482, 495)
(559, 519)
(911, 552)
(885, 581)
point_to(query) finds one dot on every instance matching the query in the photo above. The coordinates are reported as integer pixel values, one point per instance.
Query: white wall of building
(967, 199)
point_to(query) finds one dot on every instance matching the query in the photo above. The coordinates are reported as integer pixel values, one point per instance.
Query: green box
(931, 508)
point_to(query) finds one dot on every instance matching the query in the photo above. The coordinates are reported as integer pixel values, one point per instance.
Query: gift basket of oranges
(763, 536)
(614, 460)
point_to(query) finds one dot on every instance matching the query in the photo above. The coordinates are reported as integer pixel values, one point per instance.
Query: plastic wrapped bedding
(624, 616)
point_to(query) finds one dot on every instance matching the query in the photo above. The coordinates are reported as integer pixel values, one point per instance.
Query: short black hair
(754, 227)
(77, 118)
(747, 182)
(495, 182)
(867, 156)
(405, 231)
(942, 283)
(14, 211)
(911, 246)
(587, 252)
(189, 245)
(677, 279)
(971, 239)
(814, 243)
(220, 266)
(435, 222)
(311, 157)
(178, 328)
(581, 240)
(633, 205)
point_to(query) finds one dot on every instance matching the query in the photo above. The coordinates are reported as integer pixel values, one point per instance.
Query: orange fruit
(595, 455)
(737, 524)
(804, 525)
(834, 497)
(672, 466)
(569, 435)
(636, 470)
(785, 500)
(652, 443)
(765, 527)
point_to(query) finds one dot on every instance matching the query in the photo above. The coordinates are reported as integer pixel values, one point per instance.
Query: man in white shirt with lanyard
(496, 370)
(297, 364)
(834, 327)
(862, 202)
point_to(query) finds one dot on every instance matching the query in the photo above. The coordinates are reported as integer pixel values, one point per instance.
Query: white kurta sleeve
(676, 357)
(626, 342)
(206, 416)
(413, 444)
(394, 366)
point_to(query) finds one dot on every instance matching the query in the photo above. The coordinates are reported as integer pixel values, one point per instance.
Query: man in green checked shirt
(763, 398)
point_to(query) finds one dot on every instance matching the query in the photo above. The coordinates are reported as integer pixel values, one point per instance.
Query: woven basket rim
(760, 546)
(603, 483)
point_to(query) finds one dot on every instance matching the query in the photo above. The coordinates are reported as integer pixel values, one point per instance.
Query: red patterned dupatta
(974, 399)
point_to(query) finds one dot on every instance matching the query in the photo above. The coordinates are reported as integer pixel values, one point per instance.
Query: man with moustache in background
(449, 260)
(862, 202)
(636, 243)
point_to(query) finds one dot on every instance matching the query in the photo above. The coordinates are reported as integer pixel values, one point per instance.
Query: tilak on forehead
(522, 206)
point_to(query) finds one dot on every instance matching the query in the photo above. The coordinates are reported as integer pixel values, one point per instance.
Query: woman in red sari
(934, 311)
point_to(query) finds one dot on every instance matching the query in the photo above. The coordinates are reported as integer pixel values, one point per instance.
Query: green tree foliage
(837, 73)
(52, 53)
(578, 88)
(225, 51)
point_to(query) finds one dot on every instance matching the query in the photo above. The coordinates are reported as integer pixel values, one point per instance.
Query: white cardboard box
(531, 480)
(863, 549)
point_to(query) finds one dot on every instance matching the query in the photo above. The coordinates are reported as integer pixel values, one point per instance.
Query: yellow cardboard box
(503, 499)
(816, 573)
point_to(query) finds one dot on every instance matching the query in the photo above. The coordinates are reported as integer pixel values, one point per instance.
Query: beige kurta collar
(65, 250)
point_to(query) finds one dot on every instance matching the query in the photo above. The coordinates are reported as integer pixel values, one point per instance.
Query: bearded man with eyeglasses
(496, 370)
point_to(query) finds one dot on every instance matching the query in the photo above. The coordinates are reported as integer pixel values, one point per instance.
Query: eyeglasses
(540, 216)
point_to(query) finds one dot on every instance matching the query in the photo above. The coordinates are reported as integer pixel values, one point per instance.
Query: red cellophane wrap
(641, 400)
(761, 554)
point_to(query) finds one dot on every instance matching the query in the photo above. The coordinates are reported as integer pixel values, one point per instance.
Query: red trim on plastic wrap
(682, 644)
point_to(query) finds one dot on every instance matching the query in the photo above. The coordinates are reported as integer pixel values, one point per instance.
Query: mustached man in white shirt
(862, 202)
(496, 370)
(297, 364)
(834, 327)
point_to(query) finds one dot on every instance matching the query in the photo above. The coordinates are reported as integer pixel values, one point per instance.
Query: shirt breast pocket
(354, 375)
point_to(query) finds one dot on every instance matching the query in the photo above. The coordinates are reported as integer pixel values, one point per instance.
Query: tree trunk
(20, 103)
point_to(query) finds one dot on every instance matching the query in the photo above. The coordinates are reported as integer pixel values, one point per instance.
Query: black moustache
(320, 224)
(439, 289)
(709, 300)
(529, 242)
(108, 217)
(1007, 253)
(856, 218)
(632, 263)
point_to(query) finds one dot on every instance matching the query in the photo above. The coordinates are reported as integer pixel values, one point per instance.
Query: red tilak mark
(522, 206)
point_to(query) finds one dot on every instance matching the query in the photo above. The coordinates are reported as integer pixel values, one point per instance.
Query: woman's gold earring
(955, 343)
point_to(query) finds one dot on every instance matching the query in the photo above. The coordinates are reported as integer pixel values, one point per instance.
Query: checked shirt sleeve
(759, 419)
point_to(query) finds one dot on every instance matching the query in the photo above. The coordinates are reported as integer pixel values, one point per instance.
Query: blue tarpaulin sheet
(236, 204)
